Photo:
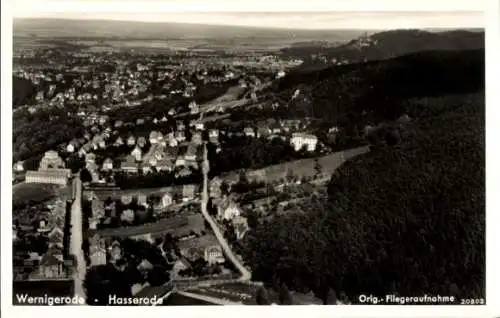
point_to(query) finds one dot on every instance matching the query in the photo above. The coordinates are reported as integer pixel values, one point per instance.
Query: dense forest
(406, 218)
(33, 134)
(23, 91)
(357, 94)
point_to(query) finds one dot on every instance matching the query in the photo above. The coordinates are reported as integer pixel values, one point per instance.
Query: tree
(157, 276)
(317, 167)
(285, 297)
(74, 163)
(403, 195)
(85, 175)
(252, 219)
(331, 298)
(262, 297)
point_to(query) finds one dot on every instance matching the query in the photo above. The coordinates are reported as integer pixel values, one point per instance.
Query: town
(141, 172)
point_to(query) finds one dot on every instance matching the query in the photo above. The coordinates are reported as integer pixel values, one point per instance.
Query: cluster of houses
(166, 152)
(227, 208)
(53, 264)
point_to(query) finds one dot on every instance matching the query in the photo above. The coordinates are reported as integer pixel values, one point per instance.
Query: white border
(493, 177)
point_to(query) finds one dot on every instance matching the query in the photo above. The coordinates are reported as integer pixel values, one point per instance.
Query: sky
(336, 20)
(390, 15)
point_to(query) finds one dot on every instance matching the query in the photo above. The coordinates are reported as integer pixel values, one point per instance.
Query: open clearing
(23, 192)
(300, 168)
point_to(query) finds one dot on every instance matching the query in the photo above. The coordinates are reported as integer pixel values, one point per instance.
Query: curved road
(76, 238)
(245, 274)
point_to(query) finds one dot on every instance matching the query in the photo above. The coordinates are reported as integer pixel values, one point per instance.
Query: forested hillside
(377, 90)
(408, 219)
(409, 216)
(390, 44)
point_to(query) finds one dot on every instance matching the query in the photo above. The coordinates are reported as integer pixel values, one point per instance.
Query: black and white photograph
(247, 158)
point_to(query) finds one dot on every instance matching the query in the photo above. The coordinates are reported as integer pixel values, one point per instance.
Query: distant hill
(377, 88)
(61, 28)
(389, 44)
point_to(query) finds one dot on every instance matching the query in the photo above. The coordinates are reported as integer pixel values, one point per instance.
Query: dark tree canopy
(285, 297)
(407, 219)
(262, 296)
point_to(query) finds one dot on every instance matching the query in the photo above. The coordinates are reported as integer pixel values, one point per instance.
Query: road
(76, 238)
(245, 274)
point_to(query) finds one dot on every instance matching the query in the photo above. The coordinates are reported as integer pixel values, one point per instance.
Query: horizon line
(284, 28)
(347, 20)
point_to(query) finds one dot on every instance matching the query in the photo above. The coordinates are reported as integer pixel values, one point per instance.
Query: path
(76, 239)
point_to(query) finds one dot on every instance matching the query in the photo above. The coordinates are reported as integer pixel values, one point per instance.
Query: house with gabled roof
(56, 239)
(107, 165)
(129, 165)
(131, 141)
(141, 141)
(137, 153)
(118, 142)
(153, 137)
(165, 165)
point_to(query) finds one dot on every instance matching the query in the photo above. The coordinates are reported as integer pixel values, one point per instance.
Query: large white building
(300, 140)
(54, 176)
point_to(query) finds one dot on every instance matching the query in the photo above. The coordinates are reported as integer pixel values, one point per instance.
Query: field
(177, 226)
(300, 168)
(23, 192)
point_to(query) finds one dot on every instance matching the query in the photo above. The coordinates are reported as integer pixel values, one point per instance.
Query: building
(240, 225)
(197, 139)
(141, 142)
(213, 255)
(127, 216)
(180, 136)
(249, 132)
(51, 160)
(58, 177)
(213, 134)
(131, 141)
(300, 140)
(107, 164)
(164, 165)
(191, 152)
(142, 199)
(56, 237)
(188, 191)
(130, 165)
(145, 266)
(153, 137)
(51, 265)
(70, 147)
(166, 200)
(199, 125)
(97, 251)
(159, 137)
(227, 210)
(115, 252)
(18, 166)
(137, 154)
(215, 187)
(119, 142)
(180, 162)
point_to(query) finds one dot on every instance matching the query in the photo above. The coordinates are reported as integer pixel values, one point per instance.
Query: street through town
(245, 274)
(76, 239)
